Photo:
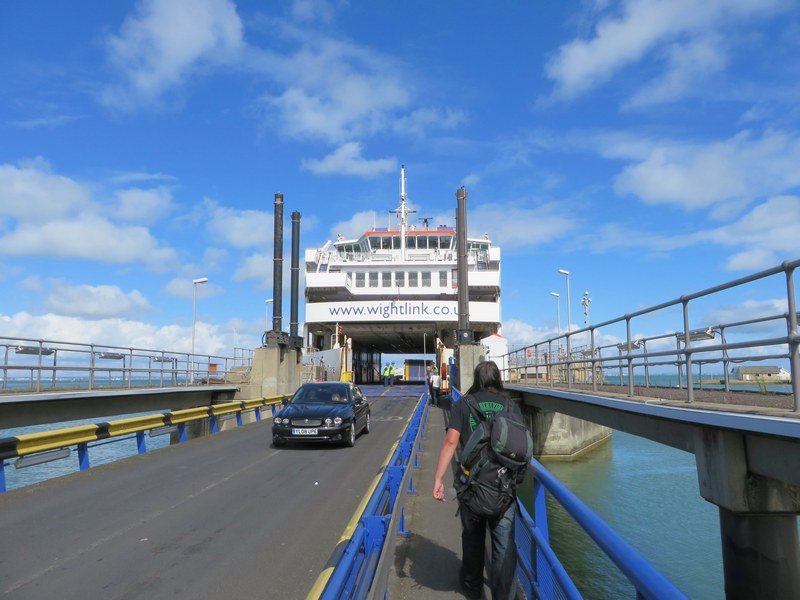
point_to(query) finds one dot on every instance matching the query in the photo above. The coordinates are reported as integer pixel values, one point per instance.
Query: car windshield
(321, 394)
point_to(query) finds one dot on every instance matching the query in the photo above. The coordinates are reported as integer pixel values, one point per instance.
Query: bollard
(181, 432)
(258, 413)
(2, 476)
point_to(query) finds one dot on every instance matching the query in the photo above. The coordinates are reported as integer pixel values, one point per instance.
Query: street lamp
(195, 283)
(558, 311)
(569, 308)
(266, 313)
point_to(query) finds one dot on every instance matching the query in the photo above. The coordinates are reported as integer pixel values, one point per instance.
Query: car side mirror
(284, 401)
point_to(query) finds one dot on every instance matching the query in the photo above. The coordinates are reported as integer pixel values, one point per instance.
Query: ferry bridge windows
(359, 280)
(433, 242)
(386, 243)
(395, 243)
(373, 279)
(400, 279)
(443, 279)
(426, 279)
(375, 242)
(413, 279)
(386, 279)
(411, 242)
(445, 242)
(422, 242)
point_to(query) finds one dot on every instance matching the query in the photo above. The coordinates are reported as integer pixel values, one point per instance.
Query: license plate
(304, 431)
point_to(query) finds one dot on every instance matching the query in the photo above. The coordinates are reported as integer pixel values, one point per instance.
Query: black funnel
(295, 274)
(277, 267)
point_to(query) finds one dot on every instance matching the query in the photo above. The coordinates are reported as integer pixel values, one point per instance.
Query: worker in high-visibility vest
(391, 374)
(386, 372)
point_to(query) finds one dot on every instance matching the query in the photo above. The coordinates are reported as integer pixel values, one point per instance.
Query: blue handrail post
(2, 476)
(182, 432)
(274, 409)
(258, 413)
(83, 456)
(540, 509)
(214, 424)
(141, 445)
(238, 418)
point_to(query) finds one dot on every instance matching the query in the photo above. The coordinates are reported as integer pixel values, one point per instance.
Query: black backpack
(494, 459)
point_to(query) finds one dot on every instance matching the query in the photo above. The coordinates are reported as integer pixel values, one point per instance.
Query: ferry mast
(403, 212)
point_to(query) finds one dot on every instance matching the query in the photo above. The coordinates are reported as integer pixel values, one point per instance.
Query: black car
(327, 411)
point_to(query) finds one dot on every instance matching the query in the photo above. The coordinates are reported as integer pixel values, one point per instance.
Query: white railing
(36, 365)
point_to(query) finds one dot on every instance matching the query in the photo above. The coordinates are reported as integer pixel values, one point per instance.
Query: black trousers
(503, 575)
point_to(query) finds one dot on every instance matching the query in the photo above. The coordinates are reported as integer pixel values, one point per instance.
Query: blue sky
(651, 147)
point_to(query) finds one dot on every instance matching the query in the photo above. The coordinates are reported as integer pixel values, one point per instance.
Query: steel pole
(462, 267)
(194, 323)
(295, 280)
(794, 342)
(277, 266)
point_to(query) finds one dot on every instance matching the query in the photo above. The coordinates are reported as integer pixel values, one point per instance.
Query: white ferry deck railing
(36, 365)
(558, 361)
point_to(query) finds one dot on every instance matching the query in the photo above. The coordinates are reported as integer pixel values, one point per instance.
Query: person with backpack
(495, 448)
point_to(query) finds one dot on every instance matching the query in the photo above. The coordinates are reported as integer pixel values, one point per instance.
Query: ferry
(393, 291)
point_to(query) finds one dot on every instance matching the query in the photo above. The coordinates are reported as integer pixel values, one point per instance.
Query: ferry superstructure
(394, 290)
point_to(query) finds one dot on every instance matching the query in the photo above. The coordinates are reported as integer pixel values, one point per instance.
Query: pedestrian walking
(484, 402)
(436, 384)
(386, 372)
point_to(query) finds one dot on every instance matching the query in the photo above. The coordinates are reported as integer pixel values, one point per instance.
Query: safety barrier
(46, 446)
(541, 574)
(359, 566)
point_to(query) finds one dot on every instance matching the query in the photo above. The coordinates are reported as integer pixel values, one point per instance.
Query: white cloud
(641, 26)
(768, 233)
(94, 302)
(741, 168)
(355, 225)
(689, 67)
(56, 216)
(516, 225)
(145, 206)
(182, 287)
(88, 237)
(519, 332)
(418, 122)
(333, 90)
(116, 332)
(51, 121)
(166, 41)
(238, 228)
(313, 10)
(30, 191)
(128, 177)
(256, 266)
(347, 160)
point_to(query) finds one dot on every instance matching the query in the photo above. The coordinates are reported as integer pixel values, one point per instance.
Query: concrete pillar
(560, 437)
(467, 357)
(758, 522)
(760, 555)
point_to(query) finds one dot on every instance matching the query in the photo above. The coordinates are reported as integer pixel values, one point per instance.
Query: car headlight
(328, 422)
(278, 420)
(337, 421)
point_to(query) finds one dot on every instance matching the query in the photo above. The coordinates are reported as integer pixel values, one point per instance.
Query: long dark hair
(486, 378)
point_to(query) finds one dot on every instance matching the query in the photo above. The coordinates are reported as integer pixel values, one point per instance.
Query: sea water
(648, 493)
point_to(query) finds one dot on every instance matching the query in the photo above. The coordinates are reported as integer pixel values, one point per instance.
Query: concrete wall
(275, 371)
(560, 437)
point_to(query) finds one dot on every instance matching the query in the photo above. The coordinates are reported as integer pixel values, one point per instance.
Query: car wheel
(367, 424)
(351, 438)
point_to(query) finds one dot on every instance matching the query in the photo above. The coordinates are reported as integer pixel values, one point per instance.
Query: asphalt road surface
(226, 516)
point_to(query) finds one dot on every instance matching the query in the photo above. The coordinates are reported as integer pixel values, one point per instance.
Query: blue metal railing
(542, 575)
(361, 570)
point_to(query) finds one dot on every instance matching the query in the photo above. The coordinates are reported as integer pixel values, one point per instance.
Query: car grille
(306, 422)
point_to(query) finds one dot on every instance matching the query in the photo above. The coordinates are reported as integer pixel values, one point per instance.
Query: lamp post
(195, 283)
(565, 273)
(558, 311)
(266, 312)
